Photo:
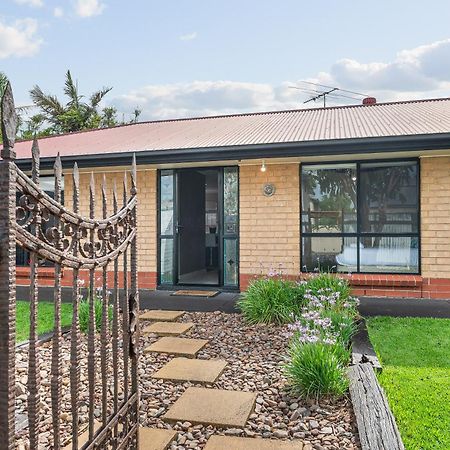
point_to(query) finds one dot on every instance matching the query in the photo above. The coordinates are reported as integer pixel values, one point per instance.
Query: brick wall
(269, 226)
(147, 213)
(435, 225)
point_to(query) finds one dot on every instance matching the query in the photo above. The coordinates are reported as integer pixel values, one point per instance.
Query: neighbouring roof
(407, 118)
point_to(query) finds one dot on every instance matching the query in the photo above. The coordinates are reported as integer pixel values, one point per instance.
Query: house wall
(270, 229)
(147, 245)
(269, 226)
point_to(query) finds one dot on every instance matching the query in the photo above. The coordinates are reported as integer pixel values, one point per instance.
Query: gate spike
(35, 154)
(104, 201)
(57, 170)
(133, 175)
(125, 186)
(76, 188)
(114, 196)
(9, 123)
(92, 196)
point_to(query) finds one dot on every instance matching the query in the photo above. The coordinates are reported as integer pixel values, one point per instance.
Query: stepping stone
(155, 438)
(237, 443)
(197, 370)
(168, 328)
(83, 437)
(161, 315)
(212, 407)
(177, 346)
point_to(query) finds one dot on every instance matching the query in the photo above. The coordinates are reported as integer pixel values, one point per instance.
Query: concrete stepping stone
(155, 438)
(212, 407)
(168, 328)
(161, 315)
(237, 443)
(83, 437)
(196, 370)
(177, 346)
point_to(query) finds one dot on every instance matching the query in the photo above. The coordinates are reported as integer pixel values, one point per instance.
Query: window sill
(385, 280)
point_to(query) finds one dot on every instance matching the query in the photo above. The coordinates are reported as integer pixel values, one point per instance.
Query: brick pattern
(435, 217)
(269, 226)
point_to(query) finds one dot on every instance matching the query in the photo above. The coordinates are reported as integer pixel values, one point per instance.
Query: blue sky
(191, 57)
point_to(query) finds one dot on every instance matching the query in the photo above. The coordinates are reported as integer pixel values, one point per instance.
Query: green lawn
(415, 354)
(45, 318)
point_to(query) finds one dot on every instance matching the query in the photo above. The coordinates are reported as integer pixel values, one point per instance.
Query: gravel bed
(254, 355)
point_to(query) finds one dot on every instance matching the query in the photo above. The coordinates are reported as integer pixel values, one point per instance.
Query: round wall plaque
(268, 190)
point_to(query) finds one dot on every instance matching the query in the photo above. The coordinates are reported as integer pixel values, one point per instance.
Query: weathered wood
(362, 348)
(376, 424)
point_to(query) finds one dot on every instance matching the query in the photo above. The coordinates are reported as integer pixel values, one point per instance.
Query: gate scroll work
(87, 247)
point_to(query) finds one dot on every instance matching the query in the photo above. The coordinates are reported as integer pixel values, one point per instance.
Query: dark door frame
(175, 236)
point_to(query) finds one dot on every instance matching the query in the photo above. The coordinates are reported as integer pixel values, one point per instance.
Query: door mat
(190, 293)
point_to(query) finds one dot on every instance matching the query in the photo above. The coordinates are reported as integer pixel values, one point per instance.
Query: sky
(185, 58)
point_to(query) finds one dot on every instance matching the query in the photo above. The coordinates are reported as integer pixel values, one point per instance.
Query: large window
(360, 217)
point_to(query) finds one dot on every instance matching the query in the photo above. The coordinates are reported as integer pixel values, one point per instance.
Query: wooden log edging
(376, 424)
(362, 348)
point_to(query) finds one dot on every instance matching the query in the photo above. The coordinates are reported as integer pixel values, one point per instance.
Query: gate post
(7, 271)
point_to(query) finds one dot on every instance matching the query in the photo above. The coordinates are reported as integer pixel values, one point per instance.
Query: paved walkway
(198, 405)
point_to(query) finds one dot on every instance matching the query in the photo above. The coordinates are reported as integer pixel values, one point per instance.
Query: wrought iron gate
(86, 247)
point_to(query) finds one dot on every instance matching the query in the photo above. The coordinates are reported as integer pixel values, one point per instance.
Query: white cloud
(19, 39)
(58, 11)
(189, 36)
(422, 72)
(33, 3)
(89, 8)
(203, 98)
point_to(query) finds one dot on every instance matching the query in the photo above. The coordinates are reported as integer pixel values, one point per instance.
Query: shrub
(272, 300)
(343, 325)
(315, 369)
(83, 314)
(328, 282)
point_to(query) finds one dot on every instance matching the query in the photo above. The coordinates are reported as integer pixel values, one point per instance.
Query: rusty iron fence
(50, 231)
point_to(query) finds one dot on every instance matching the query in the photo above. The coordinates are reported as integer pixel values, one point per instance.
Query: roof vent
(369, 101)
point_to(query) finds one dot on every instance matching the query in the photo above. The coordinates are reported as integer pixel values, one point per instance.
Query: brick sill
(384, 280)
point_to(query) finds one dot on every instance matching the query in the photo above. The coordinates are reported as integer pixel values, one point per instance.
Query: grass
(45, 318)
(415, 354)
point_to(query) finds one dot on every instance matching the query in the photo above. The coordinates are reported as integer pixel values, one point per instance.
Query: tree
(75, 115)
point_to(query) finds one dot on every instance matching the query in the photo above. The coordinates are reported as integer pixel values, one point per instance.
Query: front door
(198, 227)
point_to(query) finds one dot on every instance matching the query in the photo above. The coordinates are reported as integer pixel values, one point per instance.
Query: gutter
(326, 147)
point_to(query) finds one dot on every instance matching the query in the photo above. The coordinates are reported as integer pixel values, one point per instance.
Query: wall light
(263, 167)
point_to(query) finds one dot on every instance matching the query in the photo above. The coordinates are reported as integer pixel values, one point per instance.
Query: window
(360, 217)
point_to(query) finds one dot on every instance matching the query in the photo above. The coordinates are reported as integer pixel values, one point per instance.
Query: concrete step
(168, 328)
(212, 407)
(195, 370)
(237, 443)
(155, 438)
(161, 315)
(177, 346)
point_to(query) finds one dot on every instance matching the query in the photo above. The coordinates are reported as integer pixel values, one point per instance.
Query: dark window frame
(359, 234)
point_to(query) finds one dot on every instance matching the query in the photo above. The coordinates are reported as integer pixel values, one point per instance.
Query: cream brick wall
(435, 216)
(147, 214)
(269, 226)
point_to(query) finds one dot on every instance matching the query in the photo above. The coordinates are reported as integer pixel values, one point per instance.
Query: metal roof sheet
(361, 121)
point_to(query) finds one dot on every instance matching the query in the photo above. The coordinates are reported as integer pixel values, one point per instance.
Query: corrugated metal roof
(347, 122)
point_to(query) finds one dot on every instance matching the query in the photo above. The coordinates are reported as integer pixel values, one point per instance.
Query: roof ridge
(260, 113)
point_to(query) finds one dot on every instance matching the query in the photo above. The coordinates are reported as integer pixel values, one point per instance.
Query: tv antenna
(318, 91)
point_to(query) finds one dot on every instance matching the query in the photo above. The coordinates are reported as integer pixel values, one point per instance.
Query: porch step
(196, 370)
(155, 438)
(212, 407)
(237, 443)
(177, 346)
(161, 315)
(168, 328)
